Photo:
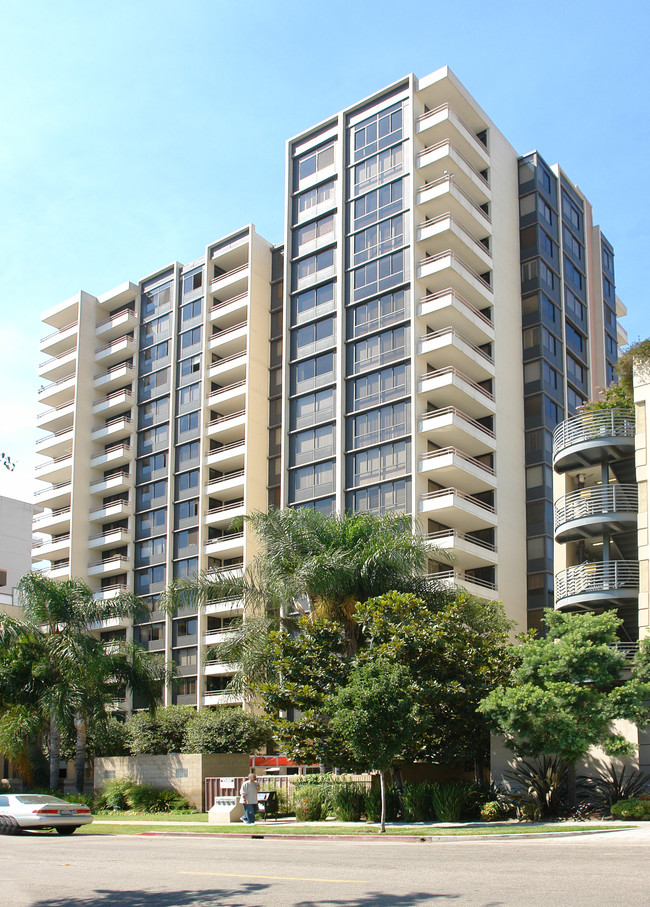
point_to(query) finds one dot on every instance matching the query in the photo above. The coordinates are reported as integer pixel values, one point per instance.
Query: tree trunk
(478, 769)
(55, 754)
(382, 786)
(80, 754)
(571, 786)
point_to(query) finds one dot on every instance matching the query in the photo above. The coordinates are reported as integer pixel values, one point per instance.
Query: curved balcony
(597, 585)
(583, 514)
(593, 438)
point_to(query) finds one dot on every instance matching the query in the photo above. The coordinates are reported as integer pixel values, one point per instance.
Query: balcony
(226, 546)
(232, 394)
(57, 418)
(229, 341)
(117, 428)
(121, 375)
(118, 349)
(444, 158)
(458, 510)
(113, 511)
(228, 455)
(601, 585)
(447, 308)
(448, 386)
(121, 322)
(106, 594)
(61, 391)
(55, 496)
(457, 579)
(52, 521)
(221, 698)
(224, 514)
(452, 467)
(58, 470)
(231, 283)
(446, 268)
(214, 637)
(60, 341)
(217, 669)
(229, 428)
(112, 538)
(443, 123)
(444, 195)
(224, 607)
(113, 403)
(445, 233)
(451, 427)
(116, 455)
(109, 567)
(55, 549)
(590, 512)
(449, 349)
(58, 571)
(119, 481)
(233, 309)
(55, 444)
(229, 485)
(593, 438)
(59, 366)
(466, 551)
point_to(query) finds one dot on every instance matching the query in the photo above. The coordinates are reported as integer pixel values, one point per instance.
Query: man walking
(249, 792)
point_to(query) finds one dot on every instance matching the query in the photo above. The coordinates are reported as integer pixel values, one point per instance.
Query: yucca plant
(348, 801)
(541, 785)
(610, 785)
(416, 799)
(450, 800)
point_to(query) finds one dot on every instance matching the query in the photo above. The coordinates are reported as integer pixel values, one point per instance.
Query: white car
(19, 811)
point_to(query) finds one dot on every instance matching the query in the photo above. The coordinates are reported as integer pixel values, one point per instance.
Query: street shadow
(382, 899)
(247, 895)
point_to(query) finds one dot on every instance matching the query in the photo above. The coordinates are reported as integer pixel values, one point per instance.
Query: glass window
(313, 197)
(187, 626)
(377, 132)
(545, 211)
(313, 337)
(574, 400)
(153, 491)
(380, 463)
(378, 240)
(191, 366)
(185, 657)
(377, 205)
(145, 579)
(572, 274)
(310, 266)
(313, 161)
(313, 444)
(190, 338)
(154, 329)
(144, 551)
(382, 274)
(575, 371)
(571, 244)
(312, 408)
(187, 567)
(608, 291)
(376, 170)
(547, 276)
(312, 481)
(381, 499)
(187, 452)
(573, 306)
(188, 422)
(157, 300)
(317, 229)
(379, 387)
(380, 425)
(187, 509)
(377, 313)
(312, 372)
(154, 411)
(191, 310)
(149, 522)
(189, 394)
(192, 282)
(574, 339)
(571, 213)
(186, 538)
(312, 304)
(187, 480)
(153, 437)
(148, 383)
(153, 354)
(149, 465)
(379, 349)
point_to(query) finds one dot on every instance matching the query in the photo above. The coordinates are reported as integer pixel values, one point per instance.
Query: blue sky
(133, 133)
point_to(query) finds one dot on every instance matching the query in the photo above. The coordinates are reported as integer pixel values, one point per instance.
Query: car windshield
(38, 798)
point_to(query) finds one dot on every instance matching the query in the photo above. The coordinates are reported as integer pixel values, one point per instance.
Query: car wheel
(66, 829)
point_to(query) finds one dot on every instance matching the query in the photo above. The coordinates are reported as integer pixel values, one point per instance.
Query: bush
(541, 784)
(141, 797)
(450, 800)
(114, 794)
(632, 809)
(610, 786)
(348, 800)
(159, 733)
(86, 799)
(416, 799)
(373, 803)
(123, 793)
(491, 811)
(108, 738)
(167, 801)
(225, 730)
(309, 803)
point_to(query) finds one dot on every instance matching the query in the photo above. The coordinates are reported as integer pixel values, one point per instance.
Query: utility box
(224, 810)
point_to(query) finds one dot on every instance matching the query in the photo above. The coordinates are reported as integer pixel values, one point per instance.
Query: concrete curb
(394, 839)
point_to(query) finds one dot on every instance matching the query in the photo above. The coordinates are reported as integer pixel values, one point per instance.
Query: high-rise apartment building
(374, 363)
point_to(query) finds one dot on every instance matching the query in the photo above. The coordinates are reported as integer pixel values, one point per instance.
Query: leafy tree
(620, 394)
(52, 662)
(107, 736)
(225, 730)
(375, 717)
(567, 691)
(159, 733)
(454, 655)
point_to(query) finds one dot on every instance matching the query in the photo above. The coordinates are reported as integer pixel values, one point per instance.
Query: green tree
(52, 662)
(226, 730)
(159, 733)
(567, 691)
(374, 716)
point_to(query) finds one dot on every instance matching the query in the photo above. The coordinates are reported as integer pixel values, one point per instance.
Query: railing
(224, 448)
(223, 508)
(446, 451)
(118, 587)
(452, 182)
(125, 448)
(51, 463)
(237, 474)
(127, 420)
(55, 409)
(221, 360)
(45, 517)
(466, 233)
(114, 317)
(220, 419)
(434, 335)
(458, 577)
(40, 543)
(596, 500)
(114, 370)
(449, 110)
(604, 577)
(453, 411)
(626, 649)
(54, 434)
(113, 343)
(431, 297)
(115, 396)
(59, 356)
(66, 327)
(111, 561)
(229, 273)
(108, 534)
(445, 492)
(106, 480)
(452, 147)
(229, 537)
(220, 305)
(449, 253)
(222, 390)
(235, 327)
(56, 487)
(451, 370)
(462, 536)
(48, 387)
(614, 423)
(107, 507)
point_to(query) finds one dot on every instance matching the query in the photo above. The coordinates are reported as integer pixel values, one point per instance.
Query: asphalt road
(112, 871)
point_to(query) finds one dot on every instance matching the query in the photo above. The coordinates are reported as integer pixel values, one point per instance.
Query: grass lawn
(133, 828)
(150, 817)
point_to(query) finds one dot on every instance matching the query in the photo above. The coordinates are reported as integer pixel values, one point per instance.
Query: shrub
(159, 733)
(541, 783)
(416, 799)
(610, 786)
(141, 797)
(348, 800)
(373, 803)
(225, 730)
(114, 794)
(108, 738)
(450, 800)
(632, 809)
(86, 799)
(309, 803)
(491, 811)
(166, 801)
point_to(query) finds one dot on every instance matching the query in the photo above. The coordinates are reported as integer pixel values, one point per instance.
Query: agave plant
(610, 785)
(541, 785)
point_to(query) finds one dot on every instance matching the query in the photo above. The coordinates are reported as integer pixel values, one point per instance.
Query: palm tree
(316, 564)
(73, 675)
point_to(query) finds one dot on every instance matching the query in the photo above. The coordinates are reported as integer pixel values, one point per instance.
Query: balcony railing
(445, 108)
(226, 418)
(469, 237)
(452, 148)
(452, 182)
(458, 578)
(229, 273)
(433, 335)
(433, 455)
(595, 501)
(431, 297)
(450, 370)
(448, 253)
(235, 327)
(445, 492)
(217, 304)
(48, 387)
(66, 327)
(453, 411)
(609, 577)
(614, 423)
(461, 536)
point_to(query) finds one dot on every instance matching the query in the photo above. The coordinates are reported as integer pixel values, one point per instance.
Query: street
(114, 871)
